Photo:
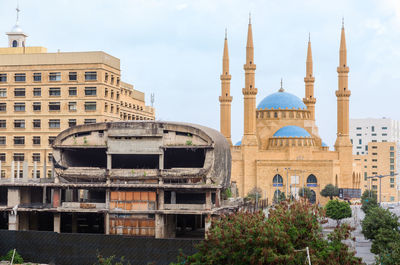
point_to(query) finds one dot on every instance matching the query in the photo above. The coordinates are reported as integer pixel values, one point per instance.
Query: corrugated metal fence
(65, 249)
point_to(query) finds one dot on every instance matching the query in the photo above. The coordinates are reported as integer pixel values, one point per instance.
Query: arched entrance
(313, 197)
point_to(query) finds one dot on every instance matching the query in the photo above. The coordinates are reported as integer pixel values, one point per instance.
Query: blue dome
(291, 131)
(281, 100)
(324, 144)
(238, 143)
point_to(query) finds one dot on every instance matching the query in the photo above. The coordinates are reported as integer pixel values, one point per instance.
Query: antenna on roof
(152, 99)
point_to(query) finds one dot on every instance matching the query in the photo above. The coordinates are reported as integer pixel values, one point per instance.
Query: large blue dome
(291, 131)
(281, 100)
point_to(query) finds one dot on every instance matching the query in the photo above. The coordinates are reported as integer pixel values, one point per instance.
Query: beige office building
(42, 94)
(379, 161)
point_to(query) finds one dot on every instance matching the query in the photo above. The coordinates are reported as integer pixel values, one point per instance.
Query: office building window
(54, 123)
(19, 92)
(351, 140)
(392, 148)
(19, 77)
(3, 157)
(105, 92)
(372, 128)
(90, 76)
(3, 92)
(391, 180)
(71, 122)
(358, 128)
(37, 77)
(19, 140)
(72, 76)
(55, 91)
(50, 157)
(90, 91)
(37, 174)
(374, 154)
(358, 134)
(391, 167)
(3, 78)
(19, 106)
(3, 106)
(56, 76)
(384, 128)
(37, 92)
(90, 121)
(19, 157)
(374, 141)
(359, 141)
(72, 91)
(391, 154)
(2, 140)
(37, 106)
(391, 161)
(72, 106)
(3, 124)
(374, 147)
(51, 140)
(19, 123)
(36, 140)
(374, 134)
(36, 124)
(384, 134)
(36, 157)
(106, 77)
(54, 106)
(90, 105)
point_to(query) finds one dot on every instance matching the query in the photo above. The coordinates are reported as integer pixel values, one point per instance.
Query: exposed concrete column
(218, 198)
(107, 223)
(44, 194)
(18, 168)
(108, 198)
(173, 197)
(161, 161)
(159, 233)
(57, 222)
(35, 170)
(208, 200)
(109, 161)
(160, 198)
(25, 170)
(13, 222)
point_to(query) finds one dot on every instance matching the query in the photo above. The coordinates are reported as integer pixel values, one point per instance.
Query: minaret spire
(18, 10)
(343, 145)
(249, 92)
(309, 79)
(225, 99)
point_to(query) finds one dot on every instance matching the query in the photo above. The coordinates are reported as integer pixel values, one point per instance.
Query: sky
(173, 48)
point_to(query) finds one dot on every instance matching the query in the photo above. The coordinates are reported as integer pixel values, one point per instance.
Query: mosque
(281, 150)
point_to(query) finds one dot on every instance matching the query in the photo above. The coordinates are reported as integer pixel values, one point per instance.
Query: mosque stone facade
(281, 150)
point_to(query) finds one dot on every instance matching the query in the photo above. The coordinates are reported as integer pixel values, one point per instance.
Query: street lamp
(380, 184)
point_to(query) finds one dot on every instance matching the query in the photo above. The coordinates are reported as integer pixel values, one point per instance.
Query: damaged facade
(145, 178)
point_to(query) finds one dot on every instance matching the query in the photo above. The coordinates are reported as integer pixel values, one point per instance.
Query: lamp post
(380, 184)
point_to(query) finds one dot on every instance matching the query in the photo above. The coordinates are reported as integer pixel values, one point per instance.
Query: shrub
(377, 218)
(17, 257)
(338, 210)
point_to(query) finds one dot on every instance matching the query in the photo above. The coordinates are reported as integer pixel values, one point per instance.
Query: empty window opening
(184, 198)
(82, 223)
(40, 221)
(190, 226)
(130, 161)
(85, 157)
(184, 158)
(3, 196)
(4, 220)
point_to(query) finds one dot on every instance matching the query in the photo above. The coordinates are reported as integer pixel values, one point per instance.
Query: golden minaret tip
(226, 33)
(249, 17)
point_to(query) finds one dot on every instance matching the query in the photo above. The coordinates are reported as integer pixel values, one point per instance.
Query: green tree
(305, 193)
(254, 194)
(280, 197)
(250, 238)
(330, 191)
(382, 240)
(368, 200)
(377, 218)
(338, 210)
(391, 255)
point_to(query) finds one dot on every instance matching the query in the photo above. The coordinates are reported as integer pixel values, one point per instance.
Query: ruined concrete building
(142, 178)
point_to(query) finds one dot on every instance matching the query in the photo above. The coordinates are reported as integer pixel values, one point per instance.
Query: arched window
(15, 43)
(277, 181)
(277, 195)
(311, 181)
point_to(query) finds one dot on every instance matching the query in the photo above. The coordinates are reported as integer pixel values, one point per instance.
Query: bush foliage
(251, 238)
(338, 210)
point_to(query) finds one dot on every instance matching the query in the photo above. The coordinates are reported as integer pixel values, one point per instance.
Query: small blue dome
(291, 131)
(238, 143)
(324, 144)
(281, 100)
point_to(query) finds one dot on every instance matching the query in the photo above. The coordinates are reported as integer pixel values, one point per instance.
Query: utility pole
(287, 180)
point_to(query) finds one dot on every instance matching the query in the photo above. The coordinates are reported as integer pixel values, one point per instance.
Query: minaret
(16, 37)
(309, 79)
(249, 93)
(343, 144)
(225, 99)
(343, 93)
